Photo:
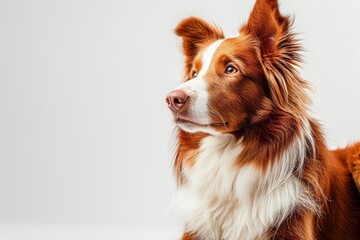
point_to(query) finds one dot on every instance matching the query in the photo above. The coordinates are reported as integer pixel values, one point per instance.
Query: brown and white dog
(251, 163)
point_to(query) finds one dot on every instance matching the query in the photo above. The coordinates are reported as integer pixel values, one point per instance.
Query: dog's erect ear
(195, 32)
(280, 55)
(267, 24)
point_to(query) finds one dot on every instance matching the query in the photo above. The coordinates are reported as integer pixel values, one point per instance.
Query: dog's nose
(176, 100)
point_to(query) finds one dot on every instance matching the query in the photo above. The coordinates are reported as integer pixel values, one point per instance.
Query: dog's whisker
(219, 115)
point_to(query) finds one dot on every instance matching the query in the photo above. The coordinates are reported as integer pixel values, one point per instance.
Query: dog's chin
(194, 127)
(190, 128)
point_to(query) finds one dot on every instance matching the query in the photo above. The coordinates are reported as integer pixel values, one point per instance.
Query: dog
(251, 163)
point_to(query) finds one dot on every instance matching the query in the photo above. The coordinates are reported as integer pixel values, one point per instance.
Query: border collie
(251, 163)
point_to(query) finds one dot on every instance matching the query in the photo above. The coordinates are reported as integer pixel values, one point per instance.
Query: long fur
(251, 163)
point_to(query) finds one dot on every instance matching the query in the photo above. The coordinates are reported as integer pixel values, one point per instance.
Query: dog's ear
(280, 55)
(267, 24)
(195, 33)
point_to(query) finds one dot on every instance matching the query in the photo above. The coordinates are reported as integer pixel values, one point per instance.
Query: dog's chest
(221, 201)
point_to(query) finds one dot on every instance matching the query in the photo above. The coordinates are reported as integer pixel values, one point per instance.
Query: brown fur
(187, 150)
(264, 103)
(188, 236)
(351, 155)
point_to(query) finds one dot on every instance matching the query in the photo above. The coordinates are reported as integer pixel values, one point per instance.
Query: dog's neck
(224, 195)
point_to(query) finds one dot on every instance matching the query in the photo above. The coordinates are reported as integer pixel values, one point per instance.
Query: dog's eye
(230, 70)
(194, 74)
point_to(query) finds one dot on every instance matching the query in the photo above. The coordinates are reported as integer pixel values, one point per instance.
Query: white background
(85, 134)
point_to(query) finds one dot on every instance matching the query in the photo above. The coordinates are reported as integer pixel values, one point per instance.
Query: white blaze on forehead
(207, 56)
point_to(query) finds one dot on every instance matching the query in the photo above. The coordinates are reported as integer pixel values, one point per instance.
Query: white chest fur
(222, 202)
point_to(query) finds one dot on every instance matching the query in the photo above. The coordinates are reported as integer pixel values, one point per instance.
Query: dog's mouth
(182, 121)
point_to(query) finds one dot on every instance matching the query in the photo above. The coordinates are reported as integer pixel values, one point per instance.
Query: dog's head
(231, 83)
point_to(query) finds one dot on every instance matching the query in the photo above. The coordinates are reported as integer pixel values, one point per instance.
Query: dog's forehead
(207, 54)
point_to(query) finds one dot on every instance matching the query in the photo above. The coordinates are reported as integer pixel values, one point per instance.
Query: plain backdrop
(85, 134)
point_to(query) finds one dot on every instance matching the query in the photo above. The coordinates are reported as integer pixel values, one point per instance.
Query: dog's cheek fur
(225, 99)
(241, 96)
